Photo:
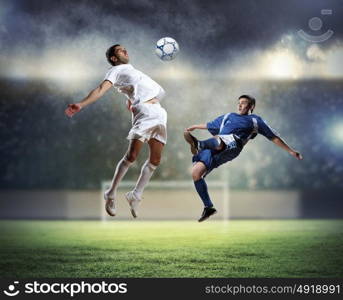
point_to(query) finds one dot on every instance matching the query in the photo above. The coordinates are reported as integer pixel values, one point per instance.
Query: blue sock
(211, 143)
(201, 188)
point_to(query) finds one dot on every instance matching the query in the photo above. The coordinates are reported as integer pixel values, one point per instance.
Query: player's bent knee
(196, 175)
(155, 162)
(198, 171)
(131, 157)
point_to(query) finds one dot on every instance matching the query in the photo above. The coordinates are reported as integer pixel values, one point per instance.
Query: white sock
(121, 169)
(146, 173)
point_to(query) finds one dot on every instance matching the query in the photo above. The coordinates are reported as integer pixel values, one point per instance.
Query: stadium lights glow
(282, 65)
(64, 67)
(335, 62)
(68, 71)
(279, 63)
(176, 70)
(61, 70)
(337, 133)
(52, 65)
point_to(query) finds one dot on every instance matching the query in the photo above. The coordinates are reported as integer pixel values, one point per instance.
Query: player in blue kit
(231, 132)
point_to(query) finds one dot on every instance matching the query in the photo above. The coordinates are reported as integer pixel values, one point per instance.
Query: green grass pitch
(239, 248)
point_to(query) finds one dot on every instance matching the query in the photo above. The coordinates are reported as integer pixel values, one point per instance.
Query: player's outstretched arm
(93, 96)
(282, 144)
(199, 126)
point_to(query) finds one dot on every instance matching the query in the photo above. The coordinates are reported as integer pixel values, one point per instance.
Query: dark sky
(208, 28)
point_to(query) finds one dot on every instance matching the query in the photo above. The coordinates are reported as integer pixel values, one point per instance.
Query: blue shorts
(213, 159)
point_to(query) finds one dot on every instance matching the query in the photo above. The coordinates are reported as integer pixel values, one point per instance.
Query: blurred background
(288, 55)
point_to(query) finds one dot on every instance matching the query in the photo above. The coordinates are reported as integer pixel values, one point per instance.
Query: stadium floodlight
(53, 66)
(177, 70)
(282, 64)
(337, 133)
(334, 62)
(276, 63)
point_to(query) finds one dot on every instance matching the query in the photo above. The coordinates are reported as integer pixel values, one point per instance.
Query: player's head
(117, 55)
(246, 104)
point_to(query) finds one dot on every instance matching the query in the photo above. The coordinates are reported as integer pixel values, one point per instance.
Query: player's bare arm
(282, 144)
(93, 96)
(199, 126)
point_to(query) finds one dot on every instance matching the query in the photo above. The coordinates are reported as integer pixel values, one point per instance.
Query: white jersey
(134, 84)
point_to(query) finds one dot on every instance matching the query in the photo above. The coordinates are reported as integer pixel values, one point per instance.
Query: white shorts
(149, 121)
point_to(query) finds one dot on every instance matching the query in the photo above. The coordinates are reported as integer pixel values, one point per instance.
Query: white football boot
(134, 202)
(110, 204)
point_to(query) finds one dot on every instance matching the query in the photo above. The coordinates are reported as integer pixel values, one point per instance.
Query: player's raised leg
(198, 171)
(135, 147)
(135, 196)
(214, 143)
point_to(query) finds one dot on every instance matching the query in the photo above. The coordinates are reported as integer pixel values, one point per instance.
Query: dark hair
(252, 101)
(111, 52)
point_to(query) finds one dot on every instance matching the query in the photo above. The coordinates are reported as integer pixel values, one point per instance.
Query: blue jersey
(244, 127)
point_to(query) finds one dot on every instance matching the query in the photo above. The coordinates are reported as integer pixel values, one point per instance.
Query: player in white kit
(149, 122)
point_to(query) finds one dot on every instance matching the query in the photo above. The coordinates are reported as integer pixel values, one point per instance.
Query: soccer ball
(167, 48)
